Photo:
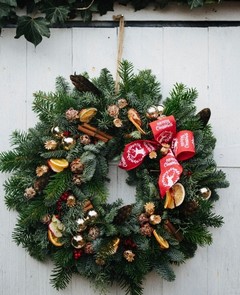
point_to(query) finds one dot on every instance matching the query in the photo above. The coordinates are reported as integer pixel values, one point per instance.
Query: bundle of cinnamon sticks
(94, 132)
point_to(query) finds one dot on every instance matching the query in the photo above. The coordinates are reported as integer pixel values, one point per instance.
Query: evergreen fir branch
(33, 212)
(164, 270)
(176, 255)
(62, 86)
(54, 154)
(18, 137)
(43, 106)
(126, 73)
(198, 234)
(61, 277)
(58, 184)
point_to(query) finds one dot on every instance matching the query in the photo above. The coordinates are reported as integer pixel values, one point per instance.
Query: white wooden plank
(224, 93)
(224, 254)
(144, 48)
(185, 60)
(51, 58)
(12, 85)
(94, 49)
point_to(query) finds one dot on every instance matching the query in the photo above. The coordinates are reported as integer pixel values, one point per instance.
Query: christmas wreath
(59, 179)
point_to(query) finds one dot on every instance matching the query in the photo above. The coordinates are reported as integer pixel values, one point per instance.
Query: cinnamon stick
(90, 127)
(92, 133)
(172, 230)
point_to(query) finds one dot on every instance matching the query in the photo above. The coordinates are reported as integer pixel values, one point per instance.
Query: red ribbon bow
(164, 131)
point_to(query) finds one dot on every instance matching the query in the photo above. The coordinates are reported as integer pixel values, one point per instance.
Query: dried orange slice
(58, 165)
(169, 200)
(54, 240)
(178, 193)
(161, 241)
(86, 115)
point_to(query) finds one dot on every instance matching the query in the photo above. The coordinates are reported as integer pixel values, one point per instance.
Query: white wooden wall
(205, 58)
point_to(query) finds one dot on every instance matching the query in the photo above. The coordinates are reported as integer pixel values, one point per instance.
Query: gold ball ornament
(68, 143)
(205, 193)
(155, 219)
(56, 132)
(78, 242)
(81, 222)
(152, 113)
(91, 215)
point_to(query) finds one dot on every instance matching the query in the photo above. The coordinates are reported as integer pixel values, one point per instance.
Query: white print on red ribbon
(135, 153)
(170, 162)
(184, 140)
(165, 137)
(163, 124)
(170, 177)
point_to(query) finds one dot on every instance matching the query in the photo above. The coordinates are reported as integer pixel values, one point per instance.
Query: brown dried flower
(117, 122)
(122, 103)
(40, 170)
(50, 144)
(30, 192)
(128, 255)
(71, 114)
(149, 208)
(113, 110)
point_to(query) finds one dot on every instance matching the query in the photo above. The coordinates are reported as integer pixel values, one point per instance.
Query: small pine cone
(123, 214)
(88, 248)
(93, 233)
(189, 208)
(85, 139)
(40, 183)
(77, 166)
(146, 230)
(30, 192)
(71, 114)
(142, 218)
(77, 179)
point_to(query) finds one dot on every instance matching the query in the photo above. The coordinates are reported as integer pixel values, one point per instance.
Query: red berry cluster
(62, 199)
(77, 253)
(130, 244)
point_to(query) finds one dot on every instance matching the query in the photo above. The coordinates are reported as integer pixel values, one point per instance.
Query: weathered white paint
(205, 58)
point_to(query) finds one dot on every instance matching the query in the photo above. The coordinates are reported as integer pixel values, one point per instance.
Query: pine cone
(41, 183)
(93, 232)
(77, 166)
(123, 214)
(88, 248)
(84, 85)
(146, 230)
(204, 116)
(189, 208)
(77, 179)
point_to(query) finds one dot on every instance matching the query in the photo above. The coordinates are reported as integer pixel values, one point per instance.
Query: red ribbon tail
(170, 173)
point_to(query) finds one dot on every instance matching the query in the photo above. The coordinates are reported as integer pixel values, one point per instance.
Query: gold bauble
(205, 193)
(152, 112)
(92, 214)
(68, 143)
(81, 224)
(78, 242)
(56, 132)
